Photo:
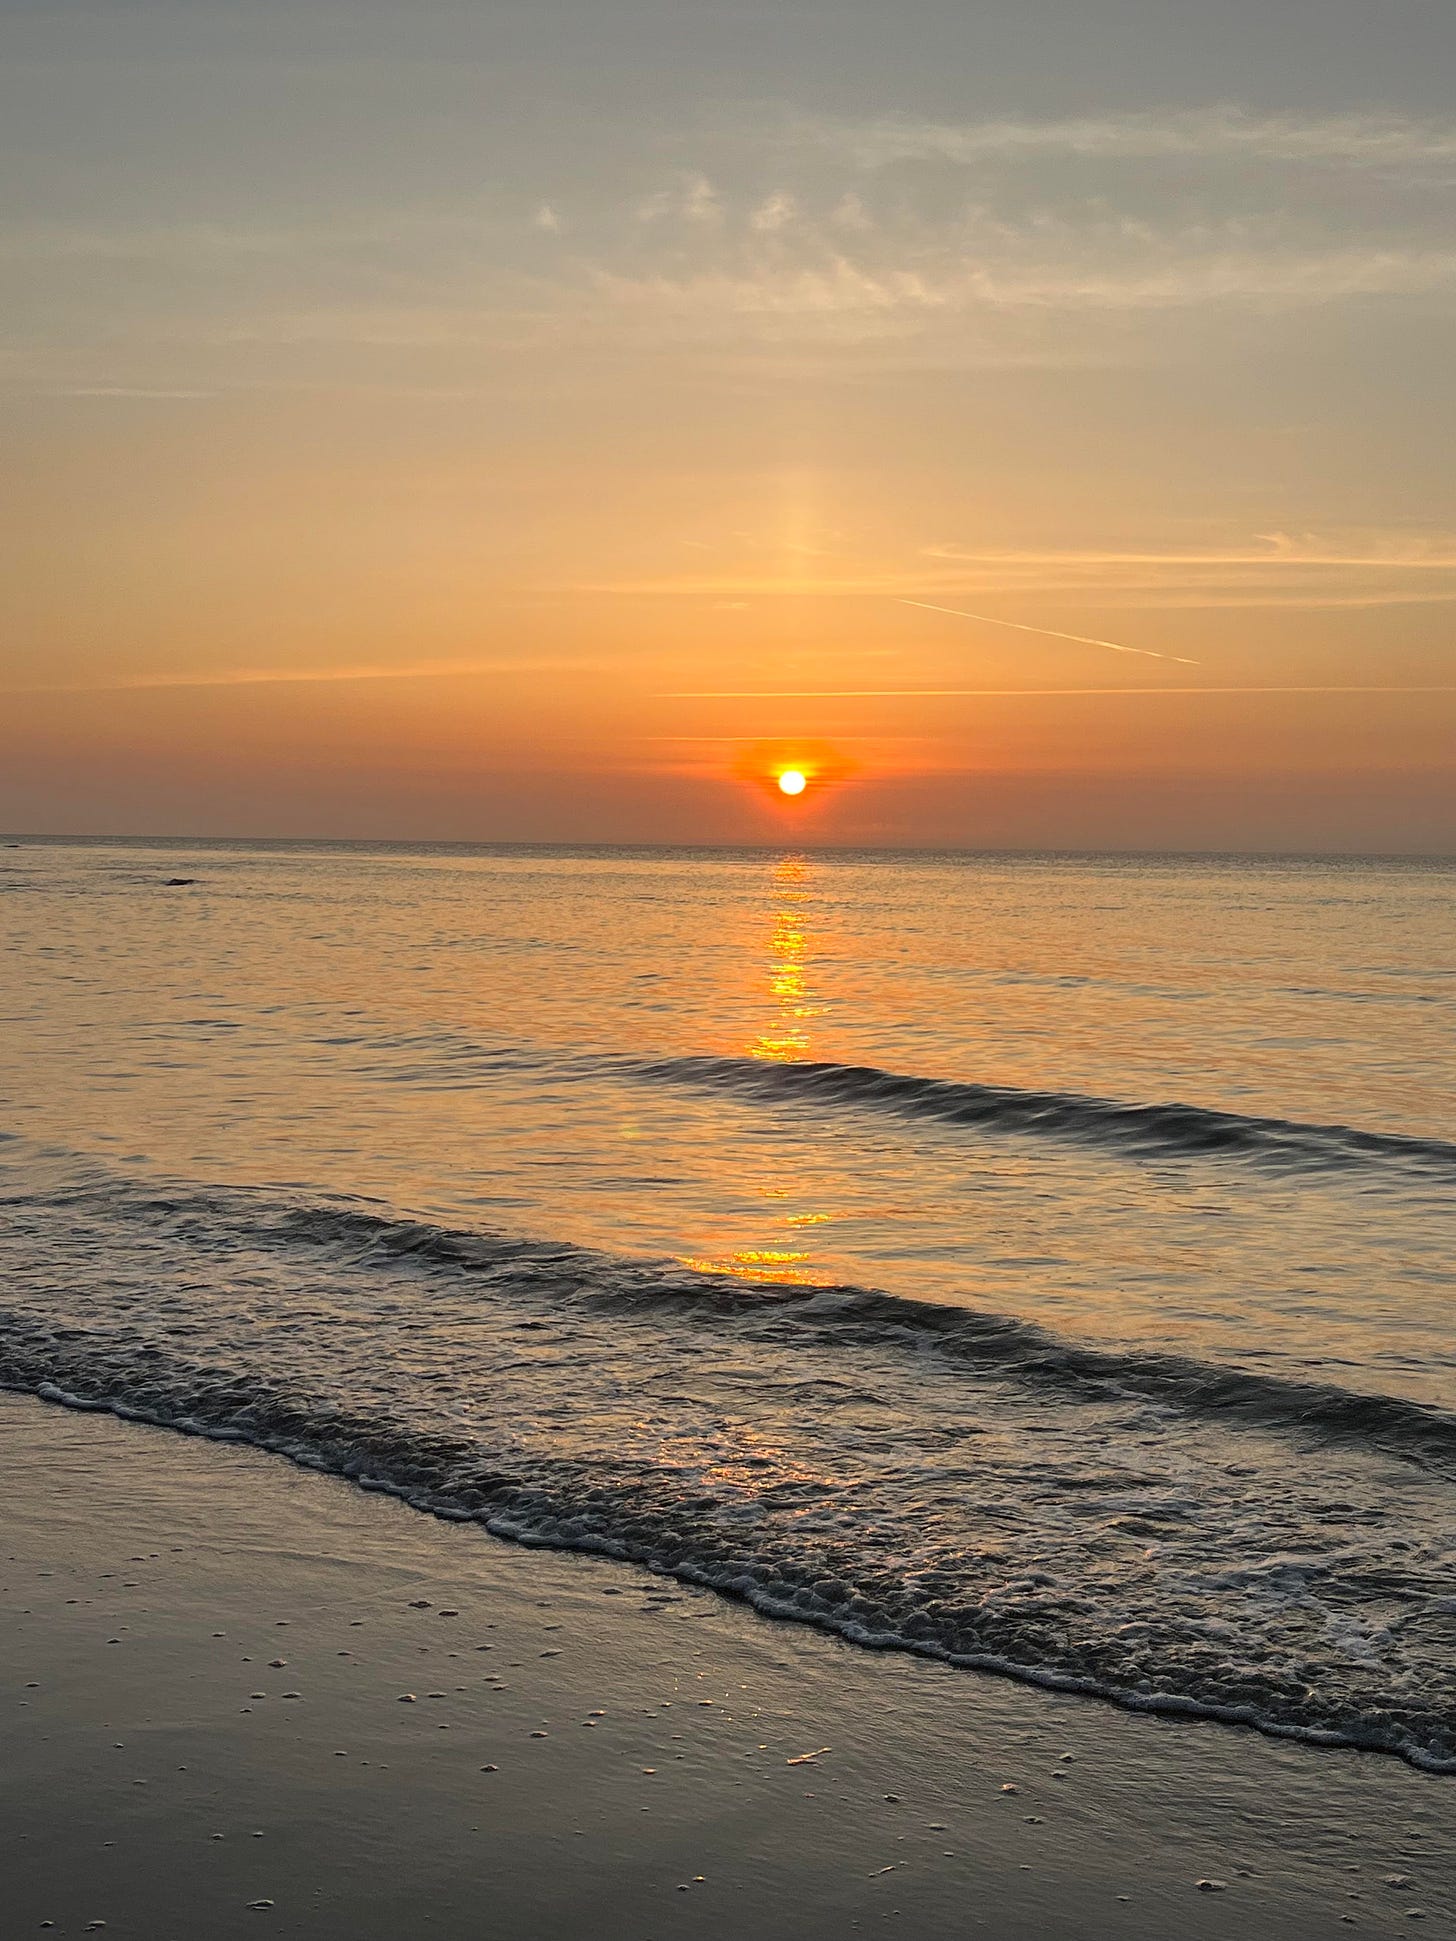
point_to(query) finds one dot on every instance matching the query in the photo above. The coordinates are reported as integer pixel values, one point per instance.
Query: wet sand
(240, 1698)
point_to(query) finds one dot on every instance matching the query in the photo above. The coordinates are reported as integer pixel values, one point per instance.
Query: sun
(798, 775)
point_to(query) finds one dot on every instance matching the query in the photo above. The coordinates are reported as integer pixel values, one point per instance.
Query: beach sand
(241, 1698)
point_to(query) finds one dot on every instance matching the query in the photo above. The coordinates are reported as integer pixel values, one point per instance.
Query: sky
(548, 419)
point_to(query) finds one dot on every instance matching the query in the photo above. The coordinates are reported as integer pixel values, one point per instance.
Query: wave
(451, 1477)
(1171, 1130)
(981, 1340)
(1145, 1129)
(1171, 1534)
(998, 1343)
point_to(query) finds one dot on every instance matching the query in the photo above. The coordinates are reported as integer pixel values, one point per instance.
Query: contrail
(1051, 632)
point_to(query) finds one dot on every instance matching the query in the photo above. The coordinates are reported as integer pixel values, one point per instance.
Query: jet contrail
(1051, 632)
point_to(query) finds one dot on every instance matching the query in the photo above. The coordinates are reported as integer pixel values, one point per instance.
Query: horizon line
(19, 838)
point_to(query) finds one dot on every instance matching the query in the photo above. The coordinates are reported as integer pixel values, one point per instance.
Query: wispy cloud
(837, 250)
(826, 301)
(1384, 571)
(1011, 693)
(1385, 553)
(894, 254)
(284, 676)
(157, 393)
(1348, 140)
(775, 212)
(1372, 569)
(999, 302)
(692, 198)
(838, 295)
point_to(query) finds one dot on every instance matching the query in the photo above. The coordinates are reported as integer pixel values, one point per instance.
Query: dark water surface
(1040, 1262)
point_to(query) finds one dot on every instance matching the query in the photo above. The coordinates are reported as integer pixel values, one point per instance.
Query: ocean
(1041, 1263)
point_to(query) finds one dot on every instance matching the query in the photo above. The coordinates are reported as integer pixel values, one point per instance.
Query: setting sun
(792, 775)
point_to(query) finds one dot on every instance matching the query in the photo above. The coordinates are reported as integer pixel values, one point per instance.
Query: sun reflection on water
(779, 1266)
(786, 1038)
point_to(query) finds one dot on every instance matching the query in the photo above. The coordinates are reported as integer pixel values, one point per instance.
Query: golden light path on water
(785, 1040)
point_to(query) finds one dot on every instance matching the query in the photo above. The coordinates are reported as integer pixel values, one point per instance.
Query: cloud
(287, 676)
(994, 299)
(825, 294)
(850, 213)
(1130, 580)
(774, 212)
(1029, 269)
(691, 199)
(1350, 140)
(159, 394)
(1370, 569)
(1269, 277)
(1280, 550)
(1013, 693)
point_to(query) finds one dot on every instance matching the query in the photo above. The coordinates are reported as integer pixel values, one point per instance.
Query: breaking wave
(1171, 1130)
(1165, 1532)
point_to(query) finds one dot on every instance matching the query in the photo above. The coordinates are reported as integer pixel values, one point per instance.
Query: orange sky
(386, 460)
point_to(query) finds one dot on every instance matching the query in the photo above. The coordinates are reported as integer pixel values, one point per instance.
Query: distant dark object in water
(178, 882)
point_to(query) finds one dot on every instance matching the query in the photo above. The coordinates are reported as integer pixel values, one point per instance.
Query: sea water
(1042, 1263)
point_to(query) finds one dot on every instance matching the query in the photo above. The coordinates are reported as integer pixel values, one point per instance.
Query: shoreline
(1153, 1705)
(247, 1697)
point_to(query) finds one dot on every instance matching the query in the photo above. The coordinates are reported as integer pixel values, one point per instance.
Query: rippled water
(1044, 1263)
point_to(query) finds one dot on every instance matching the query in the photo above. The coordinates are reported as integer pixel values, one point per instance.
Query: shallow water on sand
(1043, 1263)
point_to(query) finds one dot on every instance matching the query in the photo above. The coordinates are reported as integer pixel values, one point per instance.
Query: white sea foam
(1258, 1556)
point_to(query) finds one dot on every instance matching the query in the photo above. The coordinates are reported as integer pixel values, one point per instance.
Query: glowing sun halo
(792, 781)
